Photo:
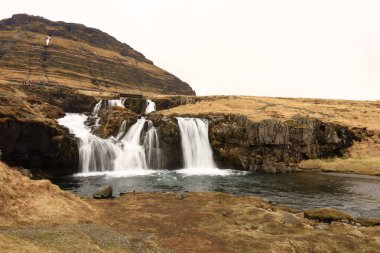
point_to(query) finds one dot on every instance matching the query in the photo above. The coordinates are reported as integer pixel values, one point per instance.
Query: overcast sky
(296, 48)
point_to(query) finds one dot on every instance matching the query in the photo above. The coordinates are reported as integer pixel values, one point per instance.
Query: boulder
(104, 192)
(291, 219)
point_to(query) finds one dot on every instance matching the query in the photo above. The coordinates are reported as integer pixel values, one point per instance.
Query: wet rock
(170, 139)
(105, 192)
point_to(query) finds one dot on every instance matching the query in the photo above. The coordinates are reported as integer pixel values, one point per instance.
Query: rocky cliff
(34, 49)
(266, 146)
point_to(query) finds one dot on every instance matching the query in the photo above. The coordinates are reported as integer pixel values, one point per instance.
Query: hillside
(77, 56)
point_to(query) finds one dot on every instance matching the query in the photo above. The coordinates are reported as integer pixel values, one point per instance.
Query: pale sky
(292, 48)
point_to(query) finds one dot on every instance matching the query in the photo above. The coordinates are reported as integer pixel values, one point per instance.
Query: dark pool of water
(358, 195)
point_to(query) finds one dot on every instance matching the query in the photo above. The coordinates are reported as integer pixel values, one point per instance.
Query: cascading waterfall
(127, 152)
(196, 148)
(151, 106)
(132, 154)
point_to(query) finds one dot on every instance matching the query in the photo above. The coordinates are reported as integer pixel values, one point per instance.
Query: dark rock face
(38, 145)
(269, 146)
(272, 145)
(163, 103)
(65, 98)
(137, 105)
(170, 139)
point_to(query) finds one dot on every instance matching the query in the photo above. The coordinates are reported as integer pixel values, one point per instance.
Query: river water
(358, 195)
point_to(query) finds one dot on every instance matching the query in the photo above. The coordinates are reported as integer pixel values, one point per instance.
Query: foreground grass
(38, 217)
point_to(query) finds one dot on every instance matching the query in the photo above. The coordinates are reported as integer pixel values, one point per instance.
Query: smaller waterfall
(121, 131)
(107, 104)
(131, 152)
(196, 148)
(115, 102)
(132, 155)
(154, 155)
(151, 107)
(97, 107)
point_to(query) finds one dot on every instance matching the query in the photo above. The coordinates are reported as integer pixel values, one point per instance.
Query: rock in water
(105, 192)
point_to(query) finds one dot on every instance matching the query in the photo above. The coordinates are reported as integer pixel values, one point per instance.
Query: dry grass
(160, 222)
(344, 112)
(30, 45)
(24, 201)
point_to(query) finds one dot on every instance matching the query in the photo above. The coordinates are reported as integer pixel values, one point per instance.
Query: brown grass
(55, 221)
(24, 201)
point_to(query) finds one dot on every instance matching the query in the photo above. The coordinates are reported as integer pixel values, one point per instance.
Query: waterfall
(95, 154)
(121, 131)
(151, 106)
(96, 109)
(115, 102)
(154, 155)
(196, 148)
(133, 152)
(107, 104)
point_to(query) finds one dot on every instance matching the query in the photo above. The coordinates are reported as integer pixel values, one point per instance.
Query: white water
(131, 153)
(115, 102)
(107, 104)
(127, 154)
(196, 148)
(151, 106)
(48, 40)
(154, 155)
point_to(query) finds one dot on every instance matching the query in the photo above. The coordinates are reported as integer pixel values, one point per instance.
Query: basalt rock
(68, 99)
(273, 145)
(270, 146)
(170, 139)
(167, 102)
(38, 145)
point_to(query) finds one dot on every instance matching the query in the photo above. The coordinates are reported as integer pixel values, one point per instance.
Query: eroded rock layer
(34, 50)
